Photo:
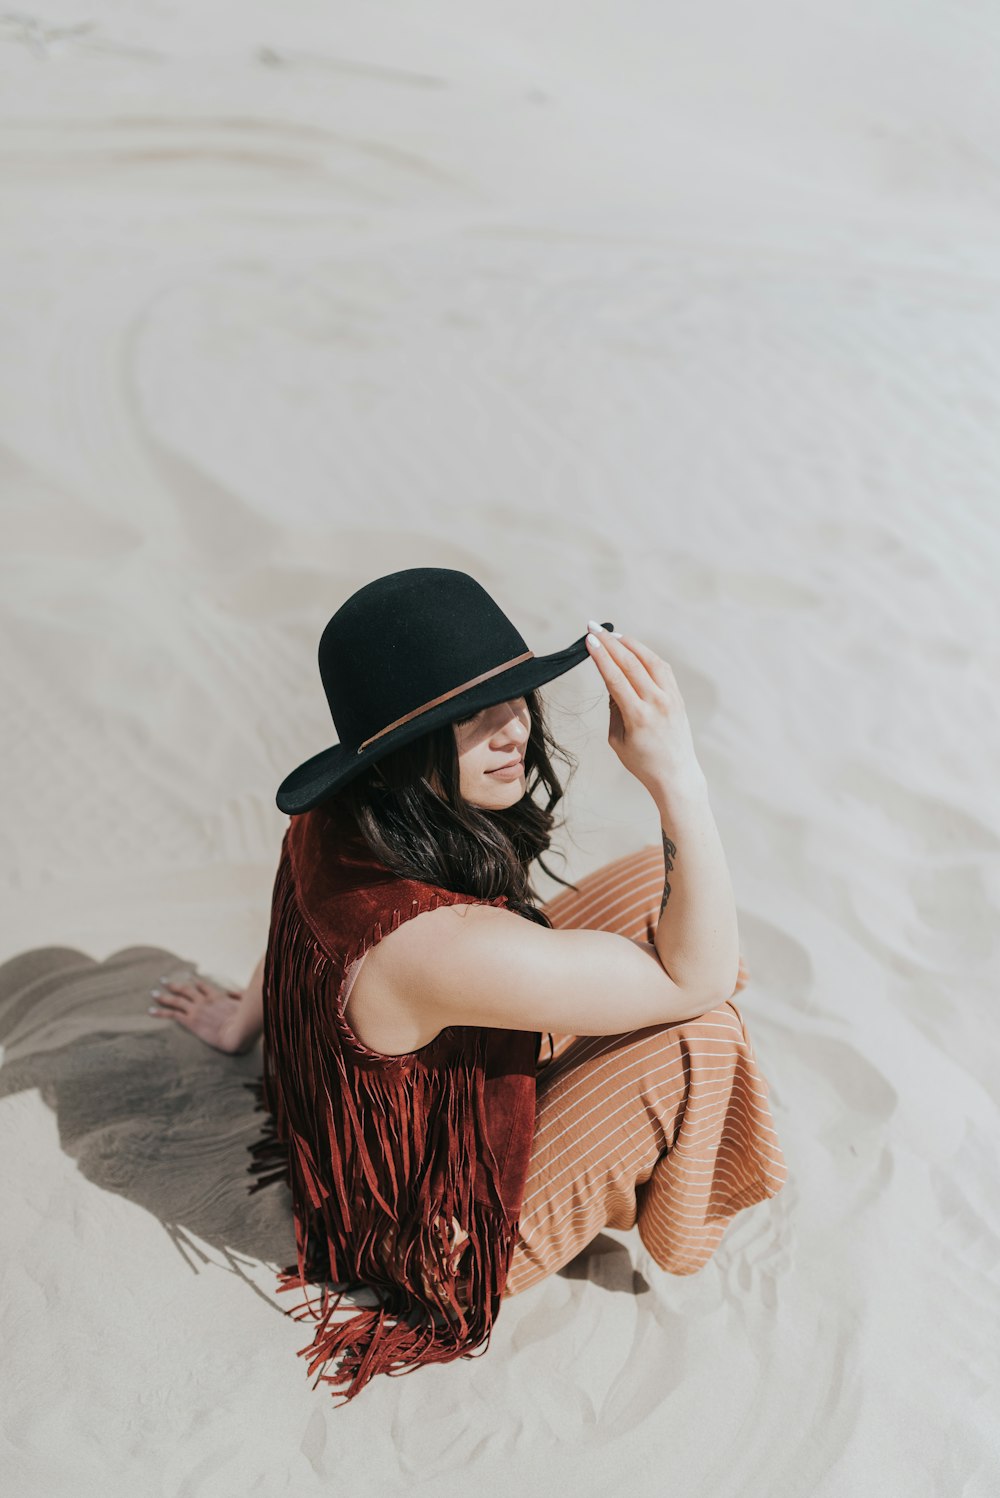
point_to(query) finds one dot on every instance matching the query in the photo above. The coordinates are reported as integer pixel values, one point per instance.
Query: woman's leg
(665, 1128)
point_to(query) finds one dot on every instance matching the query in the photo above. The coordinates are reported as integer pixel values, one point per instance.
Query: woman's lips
(508, 772)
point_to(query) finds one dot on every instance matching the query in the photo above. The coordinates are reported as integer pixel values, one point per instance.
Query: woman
(430, 1154)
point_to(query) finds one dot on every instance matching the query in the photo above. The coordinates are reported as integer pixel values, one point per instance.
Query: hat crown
(405, 639)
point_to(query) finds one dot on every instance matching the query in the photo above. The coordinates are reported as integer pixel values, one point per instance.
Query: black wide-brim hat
(404, 654)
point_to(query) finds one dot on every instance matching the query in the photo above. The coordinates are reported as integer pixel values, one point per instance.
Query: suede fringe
(375, 1151)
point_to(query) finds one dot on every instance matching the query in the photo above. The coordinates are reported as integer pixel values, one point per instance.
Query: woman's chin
(504, 793)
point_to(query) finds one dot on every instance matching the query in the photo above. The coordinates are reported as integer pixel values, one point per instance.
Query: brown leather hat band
(426, 707)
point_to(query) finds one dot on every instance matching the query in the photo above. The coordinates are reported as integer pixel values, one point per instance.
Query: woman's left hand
(208, 1011)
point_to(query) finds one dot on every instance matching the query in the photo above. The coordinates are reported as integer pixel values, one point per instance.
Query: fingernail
(593, 640)
(617, 634)
(596, 626)
(151, 1009)
(156, 992)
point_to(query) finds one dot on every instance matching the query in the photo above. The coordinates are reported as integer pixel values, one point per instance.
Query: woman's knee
(723, 1019)
(721, 1023)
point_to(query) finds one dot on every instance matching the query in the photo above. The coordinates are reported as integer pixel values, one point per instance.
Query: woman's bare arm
(485, 966)
(742, 978)
(482, 965)
(697, 936)
(249, 1020)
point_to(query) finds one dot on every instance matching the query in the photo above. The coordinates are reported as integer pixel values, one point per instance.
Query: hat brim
(324, 773)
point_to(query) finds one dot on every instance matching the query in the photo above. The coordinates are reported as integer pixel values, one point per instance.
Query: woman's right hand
(649, 729)
(213, 1013)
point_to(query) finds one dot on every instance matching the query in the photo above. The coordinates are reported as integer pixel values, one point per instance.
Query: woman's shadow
(151, 1113)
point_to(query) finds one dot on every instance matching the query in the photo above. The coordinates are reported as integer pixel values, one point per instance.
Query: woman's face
(493, 737)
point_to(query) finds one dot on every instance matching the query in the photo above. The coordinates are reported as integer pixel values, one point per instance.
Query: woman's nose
(516, 728)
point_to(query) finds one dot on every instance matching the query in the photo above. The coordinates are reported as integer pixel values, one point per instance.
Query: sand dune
(686, 322)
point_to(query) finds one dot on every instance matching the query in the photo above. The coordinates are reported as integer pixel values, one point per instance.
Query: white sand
(686, 321)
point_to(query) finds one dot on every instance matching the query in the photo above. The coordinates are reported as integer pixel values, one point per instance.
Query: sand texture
(689, 321)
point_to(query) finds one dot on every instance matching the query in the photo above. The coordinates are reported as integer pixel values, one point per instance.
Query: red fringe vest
(384, 1155)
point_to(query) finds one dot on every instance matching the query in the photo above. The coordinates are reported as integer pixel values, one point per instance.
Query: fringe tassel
(373, 1204)
(268, 1152)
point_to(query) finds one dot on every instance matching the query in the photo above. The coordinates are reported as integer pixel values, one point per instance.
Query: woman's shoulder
(415, 957)
(393, 1000)
(420, 943)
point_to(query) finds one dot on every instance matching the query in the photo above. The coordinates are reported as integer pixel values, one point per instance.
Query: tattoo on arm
(669, 849)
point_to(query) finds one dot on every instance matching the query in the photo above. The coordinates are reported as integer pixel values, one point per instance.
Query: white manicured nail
(596, 626)
(593, 640)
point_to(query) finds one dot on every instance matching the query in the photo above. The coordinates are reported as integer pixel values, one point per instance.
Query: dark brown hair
(437, 836)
